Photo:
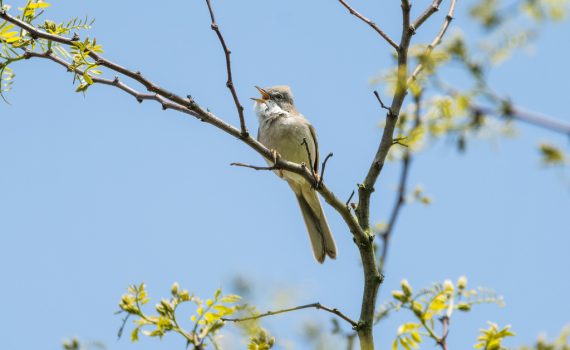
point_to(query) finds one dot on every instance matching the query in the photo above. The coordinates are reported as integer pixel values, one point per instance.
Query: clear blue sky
(101, 192)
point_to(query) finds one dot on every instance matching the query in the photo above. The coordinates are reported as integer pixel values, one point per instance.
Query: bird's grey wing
(316, 155)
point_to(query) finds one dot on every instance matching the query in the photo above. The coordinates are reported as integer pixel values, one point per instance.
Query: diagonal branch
(367, 187)
(436, 41)
(400, 196)
(140, 97)
(370, 23)
(434, 7)
(170, 100)
(525, 116)
(317, 306)
(230, 82)
(505, 108)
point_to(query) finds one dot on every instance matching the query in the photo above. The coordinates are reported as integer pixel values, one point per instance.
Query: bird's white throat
(266, 109)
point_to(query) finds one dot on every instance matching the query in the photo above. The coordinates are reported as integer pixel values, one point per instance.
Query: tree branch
(426, 14)
(191, 107)
(322, 174)
(370, 23)
(367, 187)
(508, 110)
(400, 196)
(229, 83)
(445, 320)
(317, 306)
(372, 276)
(525, 116)
(436, 41)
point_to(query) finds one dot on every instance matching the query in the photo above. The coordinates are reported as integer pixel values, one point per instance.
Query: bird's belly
(285, 135)
(287, 139)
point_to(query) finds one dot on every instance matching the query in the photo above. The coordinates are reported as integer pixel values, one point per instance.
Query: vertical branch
(230, 82)
(372, 276)
(445, 320)
(400, 196)
(367, 187)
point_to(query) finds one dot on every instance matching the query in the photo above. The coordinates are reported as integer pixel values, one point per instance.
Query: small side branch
(311, 165)
(349, 199)
(526, 116)
(322, 174)
(254, 167)
(434, 7)
(229, 83)
(445, 320)
(317, 306)
(436, 41)
(382, 103)
(402, 188)
(371, 24)
(400, 200)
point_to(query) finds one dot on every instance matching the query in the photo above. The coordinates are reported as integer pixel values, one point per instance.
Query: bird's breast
(285, 135)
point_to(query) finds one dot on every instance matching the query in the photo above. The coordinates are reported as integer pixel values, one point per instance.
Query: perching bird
(282, 129)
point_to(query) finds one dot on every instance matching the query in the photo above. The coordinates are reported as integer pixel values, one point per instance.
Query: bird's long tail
(320, 234)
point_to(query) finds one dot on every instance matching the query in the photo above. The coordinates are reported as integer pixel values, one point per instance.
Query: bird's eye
(278, 96)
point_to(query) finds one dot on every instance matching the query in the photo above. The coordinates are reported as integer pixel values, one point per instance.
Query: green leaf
(135, 335)
(230, 298)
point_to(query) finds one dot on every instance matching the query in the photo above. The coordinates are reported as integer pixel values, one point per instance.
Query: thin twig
(370, 23)
(254, 167)
(229, 83)
(512, 111)
(436, 41)
(445, 321)
(382, 103)
(322, 174)
(433, 8)
(349, 198)
(317, 306)
(526, 116)
(400, 196)
(311, 165)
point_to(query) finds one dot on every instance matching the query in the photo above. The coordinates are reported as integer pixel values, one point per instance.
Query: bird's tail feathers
(320, 234)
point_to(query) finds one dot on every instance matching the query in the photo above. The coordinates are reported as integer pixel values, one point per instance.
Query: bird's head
(280, 95)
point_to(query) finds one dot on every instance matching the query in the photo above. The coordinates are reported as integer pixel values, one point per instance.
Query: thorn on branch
(75, 37)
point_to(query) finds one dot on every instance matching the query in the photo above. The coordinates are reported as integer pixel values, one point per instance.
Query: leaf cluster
(15, 45)
(207, 320)
(428, 305)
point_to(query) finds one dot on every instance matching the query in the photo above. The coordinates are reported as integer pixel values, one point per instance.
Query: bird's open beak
(264, 95)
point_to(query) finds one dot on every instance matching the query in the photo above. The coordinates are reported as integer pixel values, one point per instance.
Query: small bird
(282, 129)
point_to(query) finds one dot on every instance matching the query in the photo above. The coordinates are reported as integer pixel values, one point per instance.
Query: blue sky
(99, 192)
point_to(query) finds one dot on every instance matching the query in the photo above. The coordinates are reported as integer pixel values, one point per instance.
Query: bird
(288, 134)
